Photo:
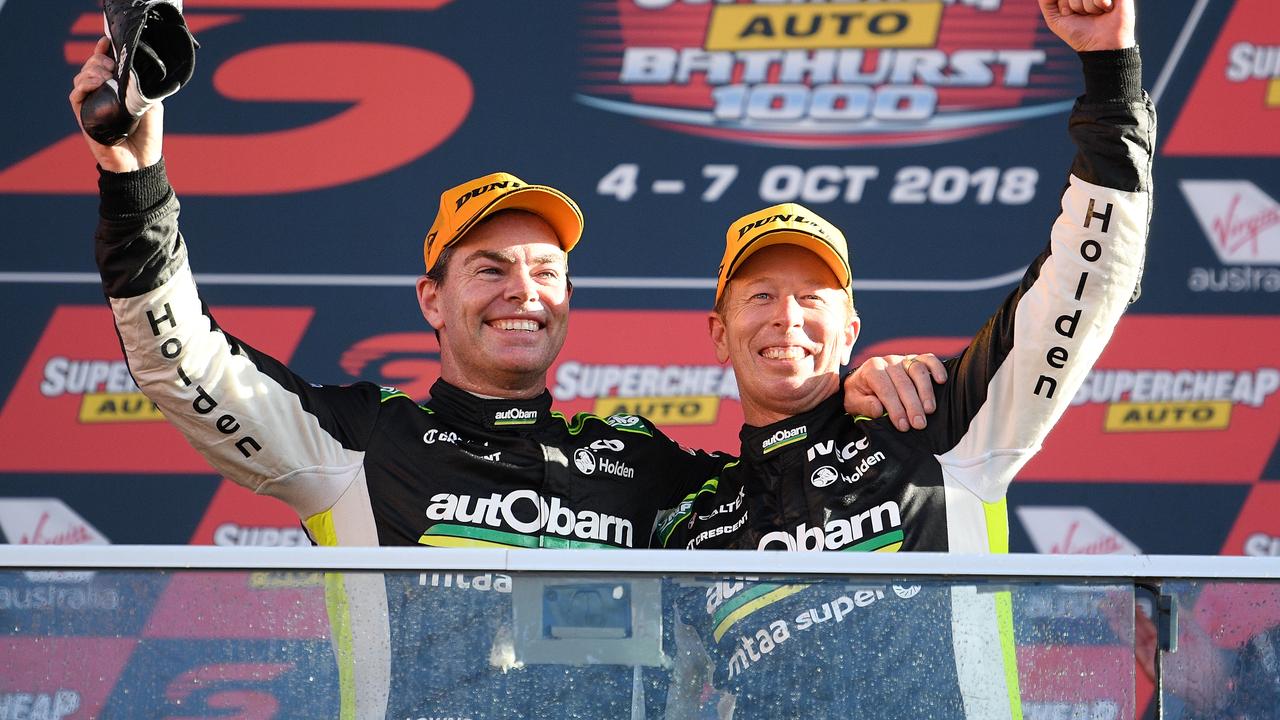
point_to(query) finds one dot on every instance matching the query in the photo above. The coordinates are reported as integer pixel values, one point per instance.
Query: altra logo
(525, 512)
(881, 526)
(1073, 530)
(515, 416)
(783, 438)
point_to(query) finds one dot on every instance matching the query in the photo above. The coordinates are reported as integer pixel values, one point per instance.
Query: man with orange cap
(813, 478)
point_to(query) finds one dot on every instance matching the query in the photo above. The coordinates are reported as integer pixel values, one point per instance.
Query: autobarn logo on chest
(877, 529)
(515, 416)
(783, 438)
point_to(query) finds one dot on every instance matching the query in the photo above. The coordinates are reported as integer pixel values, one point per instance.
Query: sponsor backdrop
(310, 148)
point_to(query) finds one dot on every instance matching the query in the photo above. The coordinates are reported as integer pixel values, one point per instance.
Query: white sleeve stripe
(249, 427)
(1061, 324)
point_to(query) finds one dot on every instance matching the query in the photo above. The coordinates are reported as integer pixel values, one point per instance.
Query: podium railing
(186, 632)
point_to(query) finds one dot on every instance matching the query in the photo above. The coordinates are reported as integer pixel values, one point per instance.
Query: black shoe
(155, 55)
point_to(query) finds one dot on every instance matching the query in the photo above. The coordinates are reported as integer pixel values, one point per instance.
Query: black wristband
(1112, 75)
(134, 193)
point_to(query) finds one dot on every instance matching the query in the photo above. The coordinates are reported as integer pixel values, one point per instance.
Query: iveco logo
(585, 461)
(824, 476)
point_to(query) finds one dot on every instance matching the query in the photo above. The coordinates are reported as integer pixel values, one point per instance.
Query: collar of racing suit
(781, 439)
(491, 413)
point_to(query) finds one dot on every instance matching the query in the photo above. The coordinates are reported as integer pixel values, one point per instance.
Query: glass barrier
(1227, 660)
(504, 640)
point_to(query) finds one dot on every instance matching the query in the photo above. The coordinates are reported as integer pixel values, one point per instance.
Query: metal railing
(174, 631)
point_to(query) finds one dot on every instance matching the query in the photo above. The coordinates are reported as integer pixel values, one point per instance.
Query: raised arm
(1019, 373)
(254, 421)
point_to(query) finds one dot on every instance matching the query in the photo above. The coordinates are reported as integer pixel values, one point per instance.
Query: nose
(789, 314)
(522, 288)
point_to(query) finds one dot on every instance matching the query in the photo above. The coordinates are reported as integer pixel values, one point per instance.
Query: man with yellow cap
(485, 463)
(813, 478)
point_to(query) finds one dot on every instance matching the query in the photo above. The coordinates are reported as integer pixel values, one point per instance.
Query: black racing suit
(822, 480)
(364, 465)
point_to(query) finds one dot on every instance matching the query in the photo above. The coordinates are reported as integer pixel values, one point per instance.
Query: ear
(429, 298)
(850, 337)
(715, 325)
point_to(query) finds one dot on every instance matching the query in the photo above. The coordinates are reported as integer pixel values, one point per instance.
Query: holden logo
(824, 476)
(906, 592)
(585, 461)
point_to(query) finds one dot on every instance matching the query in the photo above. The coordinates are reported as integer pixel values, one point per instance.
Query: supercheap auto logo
(1175, 399)
(676, 384)
(75, 406)
(106, 390)
(1257, 528)
(816, 74)
(1192, 398)
(666, 394)
(1238, 88)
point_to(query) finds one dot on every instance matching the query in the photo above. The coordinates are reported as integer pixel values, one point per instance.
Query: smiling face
(787, 326)
(502, 309)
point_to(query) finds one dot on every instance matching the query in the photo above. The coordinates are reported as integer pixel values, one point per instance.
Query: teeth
(790, 352)
(526, 325)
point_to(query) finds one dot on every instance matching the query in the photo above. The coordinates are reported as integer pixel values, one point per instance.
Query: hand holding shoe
(154, 56)
(142, 147)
